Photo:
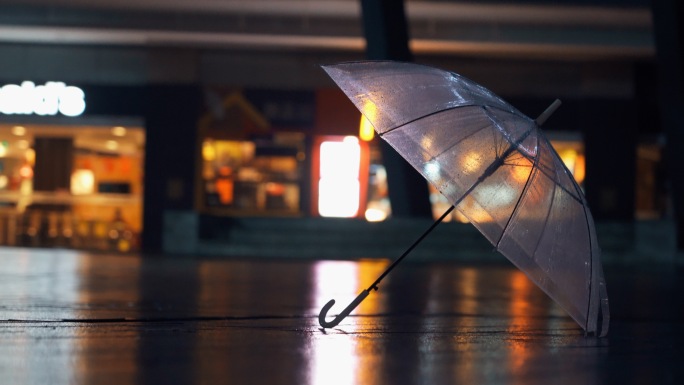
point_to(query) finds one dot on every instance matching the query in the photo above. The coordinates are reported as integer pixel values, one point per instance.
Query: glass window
(88, 197)
(651, 187)
(253, 176)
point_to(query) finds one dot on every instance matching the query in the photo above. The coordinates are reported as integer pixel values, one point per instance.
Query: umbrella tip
(548, 112)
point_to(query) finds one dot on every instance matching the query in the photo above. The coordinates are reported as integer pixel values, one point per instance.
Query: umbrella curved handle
(343, 314)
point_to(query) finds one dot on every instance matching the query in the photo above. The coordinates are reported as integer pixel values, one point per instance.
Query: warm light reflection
(344, 280)
(520, 294)
(521, 172)
(368, 271)
(465, 286)
(471, 162)
(471, 210)
(337, 359)
(571, 153)
(574, 161)
(426, 142)
(520, 311)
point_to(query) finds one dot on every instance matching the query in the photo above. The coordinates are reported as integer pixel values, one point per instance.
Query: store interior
(72, 186)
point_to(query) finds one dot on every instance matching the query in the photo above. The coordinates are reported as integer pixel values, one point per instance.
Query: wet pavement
(79, 318)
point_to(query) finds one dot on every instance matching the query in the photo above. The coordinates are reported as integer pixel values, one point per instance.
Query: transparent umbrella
(496, 167)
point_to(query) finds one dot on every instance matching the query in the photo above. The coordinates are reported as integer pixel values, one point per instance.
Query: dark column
(610, 135)
(170, 155)
(386, 34)
(668, 22)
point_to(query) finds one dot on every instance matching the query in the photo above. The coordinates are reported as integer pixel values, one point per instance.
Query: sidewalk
(187, 233)
(78, 318)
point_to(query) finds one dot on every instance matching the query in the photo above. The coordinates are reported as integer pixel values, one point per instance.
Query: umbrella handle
(343, 314)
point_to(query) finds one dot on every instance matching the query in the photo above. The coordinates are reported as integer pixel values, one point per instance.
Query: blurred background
(208, 127)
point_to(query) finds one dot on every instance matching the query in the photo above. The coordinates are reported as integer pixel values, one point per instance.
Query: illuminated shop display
(570, 148)
(254, 152)
(339, 188)
(249, 177)
(99, 206)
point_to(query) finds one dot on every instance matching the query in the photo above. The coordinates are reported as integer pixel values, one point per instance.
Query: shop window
(253, 177)
(378, 207)
(88, 197)
(339, 189)
(569, 146)
(651, 191)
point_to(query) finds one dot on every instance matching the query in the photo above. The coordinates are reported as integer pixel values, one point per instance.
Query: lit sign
(339, 188)
(50, 99)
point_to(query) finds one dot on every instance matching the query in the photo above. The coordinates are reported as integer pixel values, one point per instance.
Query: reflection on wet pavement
(68, 317)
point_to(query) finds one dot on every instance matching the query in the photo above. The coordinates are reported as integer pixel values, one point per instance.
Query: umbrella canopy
(496, 167)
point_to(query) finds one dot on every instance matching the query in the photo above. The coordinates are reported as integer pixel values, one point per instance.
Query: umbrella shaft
(413, 246)
(486, 174)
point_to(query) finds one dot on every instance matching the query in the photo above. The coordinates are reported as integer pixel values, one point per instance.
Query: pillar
(386, 33)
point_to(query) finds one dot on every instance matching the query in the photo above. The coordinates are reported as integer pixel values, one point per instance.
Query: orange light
(520, 171)
(26, 172)
(579, 168)
(370, 114)
(366, 130)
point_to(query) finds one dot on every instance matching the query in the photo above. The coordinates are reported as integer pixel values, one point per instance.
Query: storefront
(300, 153)
(254, 152)
(71, 173)
(116, 168)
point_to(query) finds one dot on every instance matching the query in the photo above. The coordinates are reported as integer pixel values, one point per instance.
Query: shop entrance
(71, 186)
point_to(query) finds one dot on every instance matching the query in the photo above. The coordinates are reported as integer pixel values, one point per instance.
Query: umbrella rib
(457, 143)
(553, 199)
(428, 115)
(575, 195)
(548, 175)
(520, 198)
(546, 219)
(591, 259)
(486, 174)
(591, 269)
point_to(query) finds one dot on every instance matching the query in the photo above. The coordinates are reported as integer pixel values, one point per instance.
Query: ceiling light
(112, 145)
(19, 130)
(119, 131)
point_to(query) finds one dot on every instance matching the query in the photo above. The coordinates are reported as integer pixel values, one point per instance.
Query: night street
(69, 317)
